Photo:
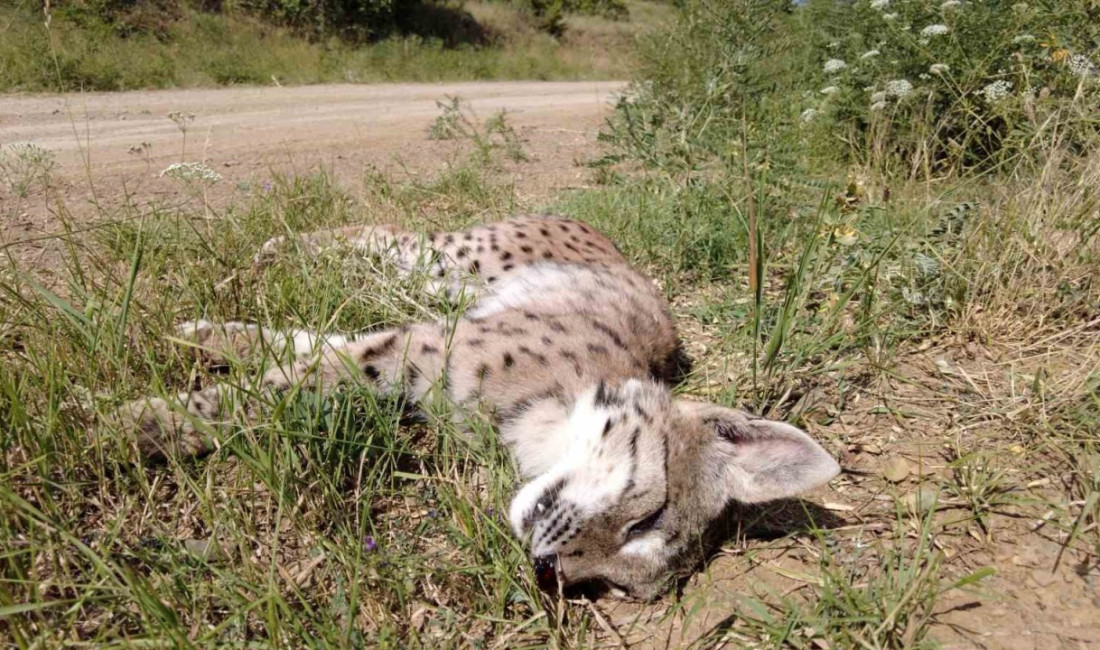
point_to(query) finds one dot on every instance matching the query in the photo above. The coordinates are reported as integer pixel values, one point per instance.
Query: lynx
(575, 354)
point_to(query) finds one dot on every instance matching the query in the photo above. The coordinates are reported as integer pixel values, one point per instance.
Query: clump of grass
(70, 52)
(25, 165)
(455, 123)
(879, 595)
(325, 523)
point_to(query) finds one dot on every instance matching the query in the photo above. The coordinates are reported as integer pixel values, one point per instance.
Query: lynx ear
(760, 460)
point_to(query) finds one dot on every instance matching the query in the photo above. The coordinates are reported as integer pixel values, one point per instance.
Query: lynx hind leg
(386, 239)
(449, 263)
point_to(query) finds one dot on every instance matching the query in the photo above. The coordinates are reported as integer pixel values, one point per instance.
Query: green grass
(953, 313)
(333, 523)
(205, 49)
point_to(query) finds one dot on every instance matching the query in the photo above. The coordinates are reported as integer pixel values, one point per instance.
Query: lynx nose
(546, 573)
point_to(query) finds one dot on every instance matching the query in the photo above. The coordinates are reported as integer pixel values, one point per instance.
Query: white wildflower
(1023, 38)
(191, 171)
(1020, 7)
(939, 68)
(878, 106)
(880, 4)
(830, 90)
(996, 91)
(1080, 65)
(879, 97)
(869, 54)
(950, 4)
(832, 66)
(833, 45)
(890, 17)
(934, 30)
(808, 115)
(900, 88)
(29, 151)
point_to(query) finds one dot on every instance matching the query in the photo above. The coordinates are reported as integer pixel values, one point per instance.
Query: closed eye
(645, 524)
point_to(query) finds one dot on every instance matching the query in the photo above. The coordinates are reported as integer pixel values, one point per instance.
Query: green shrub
(721, 66)
(354, 19)
(945, 84)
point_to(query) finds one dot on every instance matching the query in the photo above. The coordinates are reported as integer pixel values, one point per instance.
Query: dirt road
(248, 125)
(113, 145)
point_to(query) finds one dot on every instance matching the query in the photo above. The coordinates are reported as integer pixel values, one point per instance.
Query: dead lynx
(575, 353)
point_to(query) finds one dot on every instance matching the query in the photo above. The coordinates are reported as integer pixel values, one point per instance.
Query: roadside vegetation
(879, 220)
(116, 45)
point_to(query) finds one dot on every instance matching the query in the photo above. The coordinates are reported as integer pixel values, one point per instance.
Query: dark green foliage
(986, 77)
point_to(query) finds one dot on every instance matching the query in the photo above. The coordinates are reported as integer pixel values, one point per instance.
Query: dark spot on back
(596, 348)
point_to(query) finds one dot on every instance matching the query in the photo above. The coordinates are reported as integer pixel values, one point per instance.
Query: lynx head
(643, 478)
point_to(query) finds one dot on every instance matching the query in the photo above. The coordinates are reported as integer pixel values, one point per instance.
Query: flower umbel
(900, 88)
(996, 91)
(935, 30)
(191, 171)
(939, 68)
(834, 65)
(1081, 66)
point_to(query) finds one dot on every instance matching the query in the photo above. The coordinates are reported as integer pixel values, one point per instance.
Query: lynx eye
(645, 524)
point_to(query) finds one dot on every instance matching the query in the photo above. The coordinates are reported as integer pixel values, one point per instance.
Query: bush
(723, 65)
(358, 20)
(949, 84)
(125, 17)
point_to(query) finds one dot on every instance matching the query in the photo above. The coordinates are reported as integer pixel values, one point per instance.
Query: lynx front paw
(159, 430)
(268, 253)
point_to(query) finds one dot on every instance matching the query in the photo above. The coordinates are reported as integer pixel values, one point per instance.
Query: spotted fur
(576, 354)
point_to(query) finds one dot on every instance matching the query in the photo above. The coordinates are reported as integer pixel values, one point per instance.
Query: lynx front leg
(217, 343)
(408, 360)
